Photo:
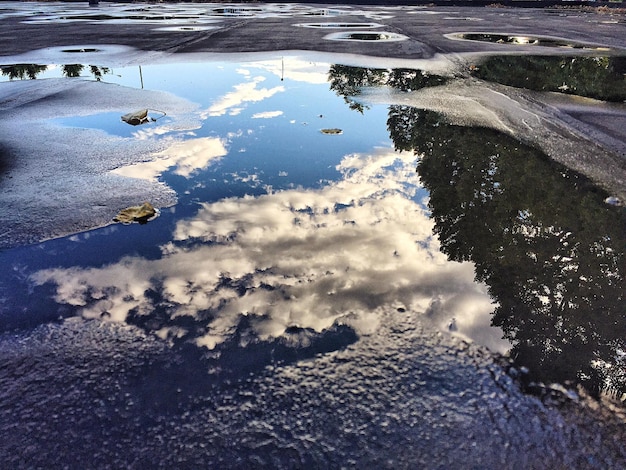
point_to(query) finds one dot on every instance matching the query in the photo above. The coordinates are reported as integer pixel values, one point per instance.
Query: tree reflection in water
(541, 237)
(347, 81)
(601, 78)
(31, 71)
(23, 71)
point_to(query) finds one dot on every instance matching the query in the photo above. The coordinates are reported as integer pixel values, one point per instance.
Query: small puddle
(183, 29)
(339, 25)
(366, 36)
(327, 12)
(235, 12)
(525, 40)
(82, 50)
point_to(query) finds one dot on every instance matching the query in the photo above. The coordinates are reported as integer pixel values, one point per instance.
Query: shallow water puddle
(526, 40)
(339, 25)
(282, 231)
(366, 36)
(299, 226)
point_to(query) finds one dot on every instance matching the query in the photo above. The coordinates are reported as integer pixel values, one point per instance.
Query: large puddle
(304, 214)
(311, 260)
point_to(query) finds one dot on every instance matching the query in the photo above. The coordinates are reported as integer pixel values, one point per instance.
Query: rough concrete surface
(84, 394)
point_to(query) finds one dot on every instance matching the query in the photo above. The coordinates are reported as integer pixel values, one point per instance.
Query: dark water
(601, 78)
(287, 243)
(541, 236)
(535, 41)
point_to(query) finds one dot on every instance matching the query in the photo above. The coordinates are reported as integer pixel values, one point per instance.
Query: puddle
(186, 28)
(326, 12)
(80, 50)
(366, 36)
(526, 40)
(326, 268)
(334, 230)
(339, 25)
(600, 77)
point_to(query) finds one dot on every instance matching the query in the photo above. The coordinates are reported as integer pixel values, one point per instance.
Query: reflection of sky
(243, 93)
(184, 158)
(276, 222)
(303, 257)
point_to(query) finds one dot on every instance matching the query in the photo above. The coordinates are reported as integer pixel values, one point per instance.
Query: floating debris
(333, 131)
(136, 118)
(141, 214)
(140, 117)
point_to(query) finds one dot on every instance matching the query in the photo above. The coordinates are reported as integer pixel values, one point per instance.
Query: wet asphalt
(426, 28)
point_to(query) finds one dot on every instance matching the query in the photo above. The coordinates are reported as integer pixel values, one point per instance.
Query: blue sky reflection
(309, 258)
(276, 223)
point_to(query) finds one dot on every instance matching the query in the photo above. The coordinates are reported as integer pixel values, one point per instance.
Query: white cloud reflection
(247, 92)
(267, 115)
(185, 157)
(303, 257)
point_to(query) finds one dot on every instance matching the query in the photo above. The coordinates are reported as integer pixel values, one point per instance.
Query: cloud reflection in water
(307, 258)
(186, 157)
(234, 101)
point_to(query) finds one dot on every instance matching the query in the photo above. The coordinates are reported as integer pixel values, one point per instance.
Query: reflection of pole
(141, 77)
(282, 69)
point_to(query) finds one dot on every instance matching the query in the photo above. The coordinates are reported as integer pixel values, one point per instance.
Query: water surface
(284, 234)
